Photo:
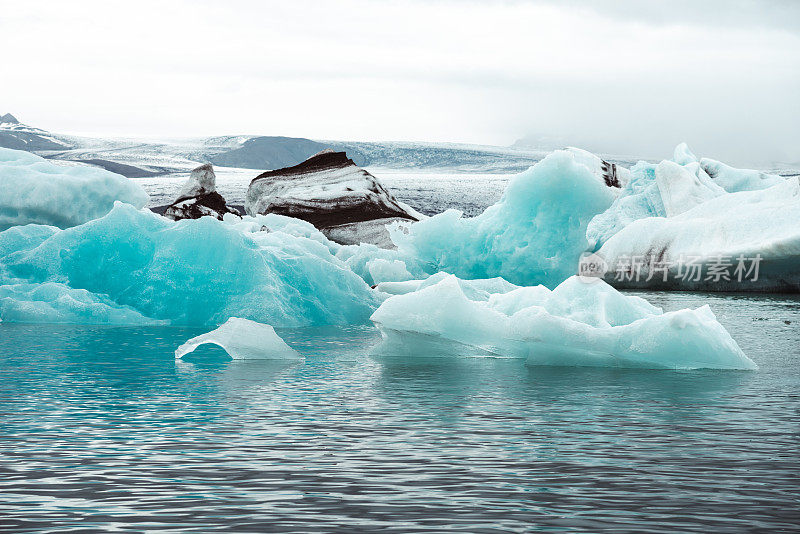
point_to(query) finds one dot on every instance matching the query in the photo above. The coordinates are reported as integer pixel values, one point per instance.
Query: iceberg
(670, 188)
(243, 340)
(745, 241)
(35, 191)
(728, 178)
(578, 323)
(328, 190)
(654, 190)
(382, 270)
(534, 234)
(193, 272)
(199, 197)
(478, 289)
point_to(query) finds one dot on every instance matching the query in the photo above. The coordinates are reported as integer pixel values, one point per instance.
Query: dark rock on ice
(332, 193)
(199, 197)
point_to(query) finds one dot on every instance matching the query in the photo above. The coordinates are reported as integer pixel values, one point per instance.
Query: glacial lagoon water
(101, 429)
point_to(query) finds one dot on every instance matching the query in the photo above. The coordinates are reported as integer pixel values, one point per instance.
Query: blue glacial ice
(383, 270)
(579, 323)
(534, 234)
(243, 339)
(34, 190)
(52, 302)
(271, 269)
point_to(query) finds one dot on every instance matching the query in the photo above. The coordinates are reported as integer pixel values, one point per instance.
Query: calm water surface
(102, 430)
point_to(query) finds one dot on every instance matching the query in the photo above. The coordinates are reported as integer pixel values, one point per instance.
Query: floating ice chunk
(201, 181)
(752, 237)
(243, 339)
(734, 180)
(671, 188)
(576, 324)
(36, 191)
(280, 223)
(375, 232)
(358, 258)
(681, 190)
(534, 234)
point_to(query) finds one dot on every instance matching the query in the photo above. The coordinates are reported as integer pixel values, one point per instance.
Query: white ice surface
(243, 339)
(201, 180)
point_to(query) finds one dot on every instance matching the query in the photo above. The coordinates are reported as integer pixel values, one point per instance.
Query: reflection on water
(101, 429)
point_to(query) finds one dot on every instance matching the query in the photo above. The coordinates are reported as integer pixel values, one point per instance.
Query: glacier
(35, 191)
(192, 272)
(534, 234)
(578, 323)
(243, 340)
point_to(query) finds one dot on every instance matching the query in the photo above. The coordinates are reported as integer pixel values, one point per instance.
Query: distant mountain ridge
(268, 152)
(138, 158)
(18, 136)
(8, 118)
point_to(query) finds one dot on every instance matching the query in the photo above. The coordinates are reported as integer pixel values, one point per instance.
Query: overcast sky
(626, 77)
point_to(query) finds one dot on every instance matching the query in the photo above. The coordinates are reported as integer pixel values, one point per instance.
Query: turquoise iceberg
(579, 323)
(535, 234)
(192, 272)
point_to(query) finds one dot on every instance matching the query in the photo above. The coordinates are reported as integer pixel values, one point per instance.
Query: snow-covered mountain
(138, 158)
(19, 136)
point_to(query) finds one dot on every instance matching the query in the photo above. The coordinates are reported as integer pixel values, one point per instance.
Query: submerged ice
(578, 323)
